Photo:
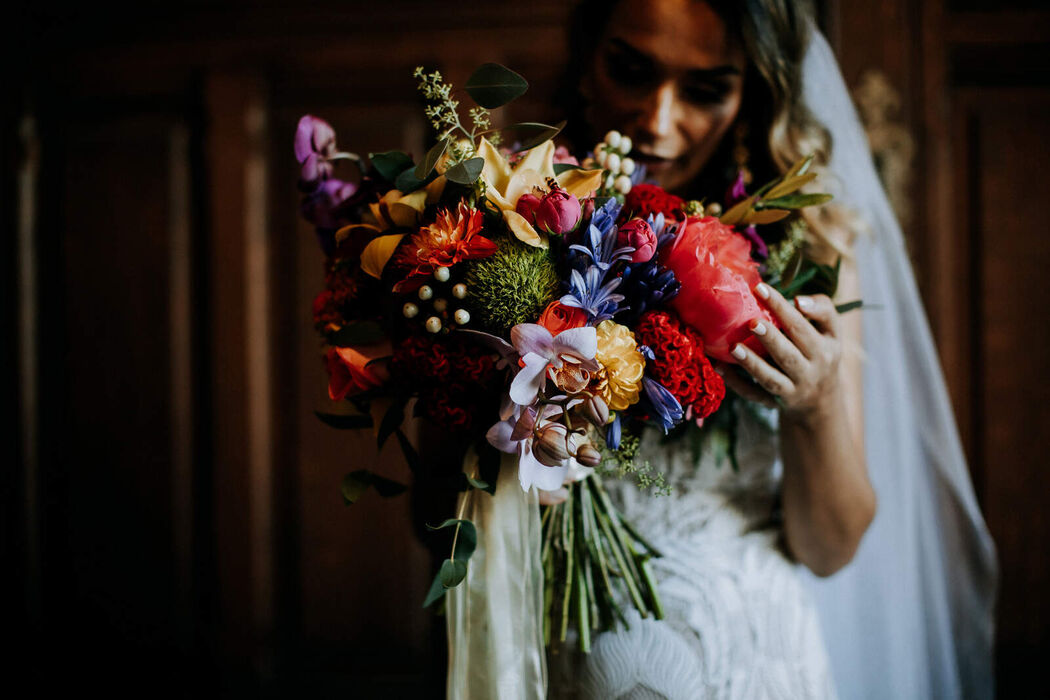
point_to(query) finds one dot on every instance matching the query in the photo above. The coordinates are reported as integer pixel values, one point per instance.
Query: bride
(846, 557)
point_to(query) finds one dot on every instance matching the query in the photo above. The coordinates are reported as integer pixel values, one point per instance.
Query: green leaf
(493, 85)
(849, 306)
(477, 483)
(559, 168)
(545, 134)
(357, 333)
(435, 592)
(411, 456)
(431, 159)
(467, 172)
(799, 280)
(354, 484)
(390, 164)
(452, 573)
(357, 482)
(466, 541)
(342, 422)
(793, 201)
(392, 420)
(407, 181)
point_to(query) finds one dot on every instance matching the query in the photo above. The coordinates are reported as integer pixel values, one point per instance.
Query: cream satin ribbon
(495, 616)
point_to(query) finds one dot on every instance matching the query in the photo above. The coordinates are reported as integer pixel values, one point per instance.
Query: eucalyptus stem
(567, 537)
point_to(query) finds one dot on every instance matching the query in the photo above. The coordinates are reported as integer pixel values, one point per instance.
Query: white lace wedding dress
(738, 621)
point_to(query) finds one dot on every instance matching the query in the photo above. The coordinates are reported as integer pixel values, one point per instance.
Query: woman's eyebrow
(697, 74)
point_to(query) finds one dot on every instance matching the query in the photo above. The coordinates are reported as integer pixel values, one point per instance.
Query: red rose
(637, 234)
(558, 317)
(718, 275)
(644, 200)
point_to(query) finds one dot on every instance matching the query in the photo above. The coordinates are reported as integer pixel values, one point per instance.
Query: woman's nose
(657, 116)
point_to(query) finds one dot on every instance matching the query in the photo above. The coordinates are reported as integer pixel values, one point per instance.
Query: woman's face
(667, 74)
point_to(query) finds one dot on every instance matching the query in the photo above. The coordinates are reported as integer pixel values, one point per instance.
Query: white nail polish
(762, 290)
(739, 352)
(804, 302)
(759, 329)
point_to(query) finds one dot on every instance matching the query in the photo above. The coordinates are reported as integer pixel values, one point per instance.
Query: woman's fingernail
(759, 328)
(804, 302)
(762, 290)
(739, 352)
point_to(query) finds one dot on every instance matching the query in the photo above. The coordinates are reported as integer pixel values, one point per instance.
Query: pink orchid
(516, 433)
(572, 349)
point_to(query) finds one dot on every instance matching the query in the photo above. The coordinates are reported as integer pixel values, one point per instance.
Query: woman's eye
(627, 70)
(704, 94)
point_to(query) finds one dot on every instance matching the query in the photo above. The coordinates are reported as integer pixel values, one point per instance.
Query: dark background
(171, 518)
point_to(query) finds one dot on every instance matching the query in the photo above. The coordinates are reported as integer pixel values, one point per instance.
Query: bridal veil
(912, 616)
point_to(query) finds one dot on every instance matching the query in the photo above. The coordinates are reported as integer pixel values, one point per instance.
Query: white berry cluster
(440, 319)
(612, 155)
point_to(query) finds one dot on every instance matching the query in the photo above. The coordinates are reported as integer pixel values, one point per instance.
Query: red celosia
(644, 200)
(330, 304)
(680, 363)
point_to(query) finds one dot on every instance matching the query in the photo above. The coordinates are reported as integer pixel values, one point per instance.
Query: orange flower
(452, 238)
(558, 317)
(349, 371)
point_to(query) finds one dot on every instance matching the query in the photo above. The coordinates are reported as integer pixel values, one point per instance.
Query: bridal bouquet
(539, 308)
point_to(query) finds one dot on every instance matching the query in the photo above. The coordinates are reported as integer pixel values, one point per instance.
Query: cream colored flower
(622, 365)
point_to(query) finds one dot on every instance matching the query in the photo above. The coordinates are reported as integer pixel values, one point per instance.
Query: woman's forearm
(828, 501)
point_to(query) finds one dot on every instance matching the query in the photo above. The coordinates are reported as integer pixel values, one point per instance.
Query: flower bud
(551, 447)
(595, 410)
(557, 213)
(637, 234)
(588, 456)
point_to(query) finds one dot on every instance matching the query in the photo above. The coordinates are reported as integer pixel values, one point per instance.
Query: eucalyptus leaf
(392, 420)
(543, 136)
(466, 541)
(431, 159)
(407, 181)
(357, 333)
(793, 201)
(560, 168)
(452, 573)
(411, 456)
(493, 85)
(849, 306)
(387, 488)
(477, 483)
(342, 422)
(354, 484)
(390, 164)
(435, 592)
(467, 172)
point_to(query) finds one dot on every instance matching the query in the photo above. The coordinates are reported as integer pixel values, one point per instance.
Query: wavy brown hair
(778, 127)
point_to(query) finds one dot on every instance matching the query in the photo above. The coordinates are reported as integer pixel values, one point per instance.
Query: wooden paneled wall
(174, 520)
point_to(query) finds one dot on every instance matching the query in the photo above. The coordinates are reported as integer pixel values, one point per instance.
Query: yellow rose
(622, 364)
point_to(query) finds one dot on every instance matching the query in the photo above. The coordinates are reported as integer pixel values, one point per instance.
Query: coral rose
(718, 275)
(558, 317)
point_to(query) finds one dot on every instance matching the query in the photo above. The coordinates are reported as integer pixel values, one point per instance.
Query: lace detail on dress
(738, 622)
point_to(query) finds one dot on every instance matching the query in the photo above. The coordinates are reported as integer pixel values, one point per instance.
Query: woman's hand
(828, 501)
(805, 376)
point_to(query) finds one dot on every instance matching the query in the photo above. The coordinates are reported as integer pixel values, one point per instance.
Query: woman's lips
(653, 163)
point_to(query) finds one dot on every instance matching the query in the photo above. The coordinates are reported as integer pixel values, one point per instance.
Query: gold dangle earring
(741, 154)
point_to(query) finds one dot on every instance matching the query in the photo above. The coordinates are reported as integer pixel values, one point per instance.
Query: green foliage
(511, 286)
(454, 569)
(390, 164)
(622, 462)
(357, 482)
(493, 85)
(467, 172)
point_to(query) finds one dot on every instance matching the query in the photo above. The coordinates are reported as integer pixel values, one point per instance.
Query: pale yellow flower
(504, 184)
(622, 364)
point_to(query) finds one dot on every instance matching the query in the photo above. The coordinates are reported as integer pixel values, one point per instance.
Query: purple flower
(323, 208)
(540, 350)
(758, 246)
(314, 149)
(665, 407)
(737, 191)
(601, 239)
(589, 294)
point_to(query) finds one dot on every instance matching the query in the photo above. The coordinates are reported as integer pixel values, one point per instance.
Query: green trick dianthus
(511, 286)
